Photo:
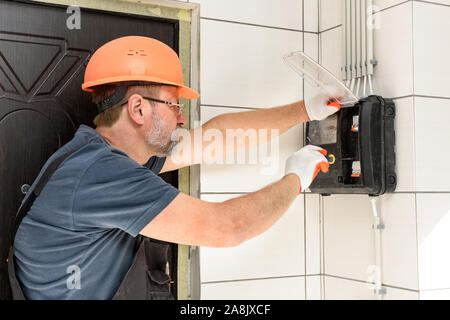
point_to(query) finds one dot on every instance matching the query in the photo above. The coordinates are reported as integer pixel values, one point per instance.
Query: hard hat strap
(113, 99)
(121, 91)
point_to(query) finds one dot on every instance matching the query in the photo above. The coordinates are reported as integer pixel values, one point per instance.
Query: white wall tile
(313, 287)
(404, 144)
(435, 295)
(330, 13)
(349, 244)
(311, 46)
(242, 65)
(292, 288)
(433, 225)
(311, 15)
(393, 76)
(312, 230)
(248, 177)
(348, 236)
(343, 289)
(431, 49)
(277, 252)
(399, 240)
(261, 12)
(384, 4)
(432, 134)
(400, 294)
(446, 2)
(331, 50)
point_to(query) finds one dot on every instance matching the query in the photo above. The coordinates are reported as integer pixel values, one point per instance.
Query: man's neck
(127, 142)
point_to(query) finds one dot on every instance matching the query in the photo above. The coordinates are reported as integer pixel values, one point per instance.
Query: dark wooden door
(42, 65)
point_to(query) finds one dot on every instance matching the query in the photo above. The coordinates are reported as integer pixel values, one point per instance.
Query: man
(102, 196)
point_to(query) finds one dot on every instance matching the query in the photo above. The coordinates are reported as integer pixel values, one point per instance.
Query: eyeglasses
(178, 107)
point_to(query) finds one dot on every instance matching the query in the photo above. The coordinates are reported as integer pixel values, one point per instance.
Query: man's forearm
(243, 125)
(282, 118)
(256, 212)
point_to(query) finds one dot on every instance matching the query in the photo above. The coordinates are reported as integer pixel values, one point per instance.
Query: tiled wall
(242, 45)
(413, 69)
(323, 246)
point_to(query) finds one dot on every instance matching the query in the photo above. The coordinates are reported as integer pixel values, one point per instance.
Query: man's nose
(181, 120)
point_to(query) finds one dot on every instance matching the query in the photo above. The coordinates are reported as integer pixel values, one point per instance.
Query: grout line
(399, 4)
(320, 60)
(310, 193)
(365, 282)
(434, 97)
(420, 192)
(254, 25)
(213, 193)
(417, 240)
(428, 290)
(420, 96)
(413, 48)
(332, 28)
(414, 146)
(435, 3)
(344, 278)
(310, 32)
(319, 57)
(304, 196)
(233, 107)
(403, 97)
(257, 279)
(387, 8)
(394, 193)
(322, 244)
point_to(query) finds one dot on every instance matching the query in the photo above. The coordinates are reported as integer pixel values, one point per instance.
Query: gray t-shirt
(79, 238)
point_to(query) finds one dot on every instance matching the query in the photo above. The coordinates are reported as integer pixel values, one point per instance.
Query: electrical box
(360, 141)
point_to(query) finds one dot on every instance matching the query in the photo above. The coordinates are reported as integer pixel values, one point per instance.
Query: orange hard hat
(135, 58)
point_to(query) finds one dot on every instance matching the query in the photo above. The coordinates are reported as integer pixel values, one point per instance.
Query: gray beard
(159, 137)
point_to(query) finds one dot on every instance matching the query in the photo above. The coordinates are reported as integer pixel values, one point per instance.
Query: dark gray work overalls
(145, 280)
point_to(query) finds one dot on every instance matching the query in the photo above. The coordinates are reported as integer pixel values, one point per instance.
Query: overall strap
(16, 290)
(23, 210)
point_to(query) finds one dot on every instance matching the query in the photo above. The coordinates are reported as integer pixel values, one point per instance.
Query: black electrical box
(360, 141)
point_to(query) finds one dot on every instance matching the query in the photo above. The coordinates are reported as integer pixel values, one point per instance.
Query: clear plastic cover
(320, 78)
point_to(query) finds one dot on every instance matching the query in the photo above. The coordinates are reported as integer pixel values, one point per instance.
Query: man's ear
(135, 109)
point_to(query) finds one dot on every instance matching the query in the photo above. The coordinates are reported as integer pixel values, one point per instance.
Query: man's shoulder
(98, 155)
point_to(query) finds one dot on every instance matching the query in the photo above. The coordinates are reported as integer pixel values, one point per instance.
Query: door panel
(42, 66)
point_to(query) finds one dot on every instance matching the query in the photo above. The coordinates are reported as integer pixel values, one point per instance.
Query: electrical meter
(360, 141)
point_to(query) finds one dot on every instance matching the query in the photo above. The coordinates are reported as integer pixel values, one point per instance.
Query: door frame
(188, 15)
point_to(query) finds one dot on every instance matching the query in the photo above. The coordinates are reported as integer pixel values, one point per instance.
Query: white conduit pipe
(347, 83)
(365, 86)
(377, 228)
(370, 84)
(357, 87)
(352, 84)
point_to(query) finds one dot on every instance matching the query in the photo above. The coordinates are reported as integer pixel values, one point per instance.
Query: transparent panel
(320, 78)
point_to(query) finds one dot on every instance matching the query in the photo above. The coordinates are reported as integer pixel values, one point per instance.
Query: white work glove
(306, 164)
(321, 106)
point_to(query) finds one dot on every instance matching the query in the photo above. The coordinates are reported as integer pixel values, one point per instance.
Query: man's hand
(306, 164)
(321, 106)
